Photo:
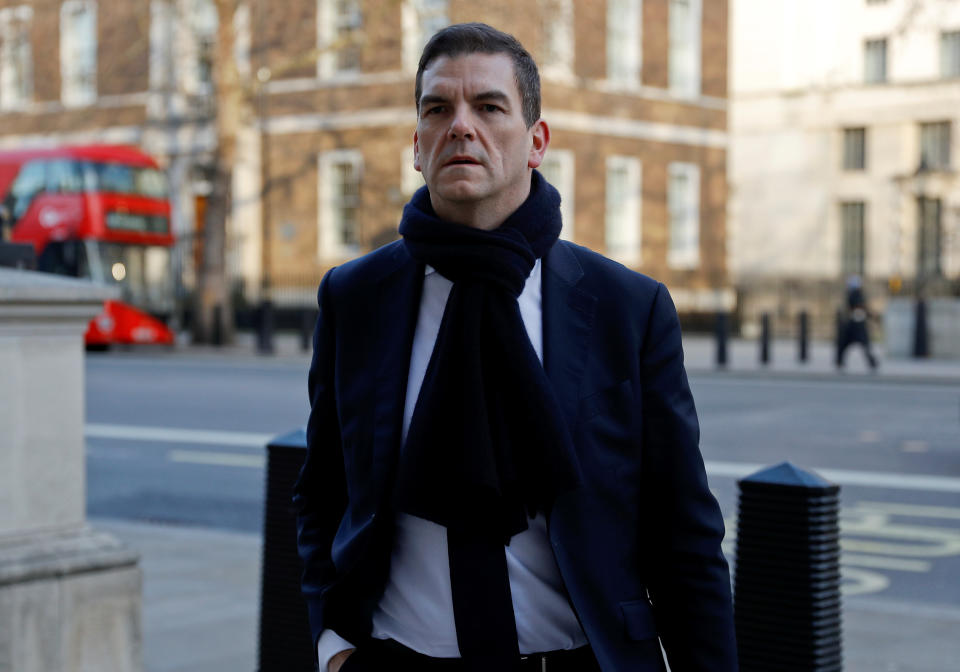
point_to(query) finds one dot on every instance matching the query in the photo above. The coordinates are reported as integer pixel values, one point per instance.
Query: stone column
(70, 596)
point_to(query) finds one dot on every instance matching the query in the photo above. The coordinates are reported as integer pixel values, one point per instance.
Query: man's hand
(338, 660)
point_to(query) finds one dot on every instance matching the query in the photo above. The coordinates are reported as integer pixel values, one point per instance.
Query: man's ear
(416, 152)
(541, 138)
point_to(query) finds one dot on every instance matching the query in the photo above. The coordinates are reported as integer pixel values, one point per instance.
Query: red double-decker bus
(100, 212)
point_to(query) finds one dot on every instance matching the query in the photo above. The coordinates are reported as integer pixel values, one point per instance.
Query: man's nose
(462, 125)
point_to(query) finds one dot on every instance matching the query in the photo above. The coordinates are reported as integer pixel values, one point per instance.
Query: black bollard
(285, 641)
(841, 329)
(765, 338)
(307, 320)
(921, 337)
(265, 328)
(803, 336)
(216, 329)
(720, 330)
(787, 585)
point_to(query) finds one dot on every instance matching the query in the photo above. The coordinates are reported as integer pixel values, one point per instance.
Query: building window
(16, 58)
(339, 27)
(624, 41)
(339, 191)
(854, 148)
(683, 207)
(950, 54)
(78, 52)
(558, 169)
(161, 44)
(935, 146)
(852, 241)
(684, 54)
(558, 43)
(929, 237)
(623, 209)
(202, 22)
(875, 61)
(420, 19)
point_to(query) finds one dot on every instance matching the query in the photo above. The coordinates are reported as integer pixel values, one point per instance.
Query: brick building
(634, 92)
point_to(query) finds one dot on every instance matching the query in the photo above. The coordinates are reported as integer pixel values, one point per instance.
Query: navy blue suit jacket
(637, 544)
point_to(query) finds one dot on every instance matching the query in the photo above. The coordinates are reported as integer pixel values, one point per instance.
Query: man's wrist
(338, 660)
(330, 645)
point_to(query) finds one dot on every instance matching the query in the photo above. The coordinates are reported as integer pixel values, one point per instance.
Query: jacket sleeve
(689, 580)
(320, 494)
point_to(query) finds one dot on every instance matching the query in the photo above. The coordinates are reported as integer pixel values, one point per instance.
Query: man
(854, 329)
(464, 506)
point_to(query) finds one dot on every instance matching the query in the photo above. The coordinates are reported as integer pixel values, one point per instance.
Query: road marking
(216, 459)
(875, 479)
(917, 510)
(176, 435)
(882, 562)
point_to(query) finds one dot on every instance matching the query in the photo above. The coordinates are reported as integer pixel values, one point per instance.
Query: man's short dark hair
(479, 38)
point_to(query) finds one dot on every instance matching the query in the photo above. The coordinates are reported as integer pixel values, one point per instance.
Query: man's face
(472, 144)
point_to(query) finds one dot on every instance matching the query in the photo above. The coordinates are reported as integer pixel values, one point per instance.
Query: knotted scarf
(487, 445)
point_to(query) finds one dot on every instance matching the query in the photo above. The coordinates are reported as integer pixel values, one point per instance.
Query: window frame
(329, 247)
(854, 158)
(16, 57)
(566, 184)
(419, 22)
(683, 251)
(623, 220)
(869, 74)
(853, 225)
(685, 54)
(79, 86)
(929, 261)
(624, 42)
(331, 25)
(950, 54)
(940, 157)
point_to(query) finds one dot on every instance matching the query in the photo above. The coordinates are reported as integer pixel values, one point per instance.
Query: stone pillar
(70, 596)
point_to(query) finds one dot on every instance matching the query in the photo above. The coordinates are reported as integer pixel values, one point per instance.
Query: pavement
(201, 587)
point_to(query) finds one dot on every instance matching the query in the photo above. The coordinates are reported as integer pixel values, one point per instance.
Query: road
(179, 440)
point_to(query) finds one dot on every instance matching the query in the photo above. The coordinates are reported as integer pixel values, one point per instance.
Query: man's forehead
(476, 72)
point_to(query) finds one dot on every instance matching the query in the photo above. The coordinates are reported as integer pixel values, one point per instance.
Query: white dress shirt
(416, 608)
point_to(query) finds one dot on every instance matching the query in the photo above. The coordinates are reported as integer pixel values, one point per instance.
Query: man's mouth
(462, 161)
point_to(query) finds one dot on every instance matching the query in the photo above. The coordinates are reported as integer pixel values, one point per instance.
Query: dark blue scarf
(487, 444)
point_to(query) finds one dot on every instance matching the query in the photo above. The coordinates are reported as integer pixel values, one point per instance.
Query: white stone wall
(797, 81)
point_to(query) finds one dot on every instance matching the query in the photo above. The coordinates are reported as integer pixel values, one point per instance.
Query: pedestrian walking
(855, 328)
(503, 468)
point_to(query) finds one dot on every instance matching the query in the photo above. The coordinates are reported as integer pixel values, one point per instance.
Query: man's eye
(488, 107)
(433, 110)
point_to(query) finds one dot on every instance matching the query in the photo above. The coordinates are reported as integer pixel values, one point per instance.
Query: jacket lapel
(568, 313)
(398, 301)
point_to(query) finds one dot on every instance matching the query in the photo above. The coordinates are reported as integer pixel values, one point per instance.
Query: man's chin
(459, 191)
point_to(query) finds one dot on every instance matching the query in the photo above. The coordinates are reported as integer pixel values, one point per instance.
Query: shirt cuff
(329, 645)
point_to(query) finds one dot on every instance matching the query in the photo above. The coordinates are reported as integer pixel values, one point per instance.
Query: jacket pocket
(638, 620)
(614, 401)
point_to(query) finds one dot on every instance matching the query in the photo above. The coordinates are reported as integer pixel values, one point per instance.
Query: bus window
(120, 179)
(28, 184)
(64, 177)
(64, 258)
(115, 178)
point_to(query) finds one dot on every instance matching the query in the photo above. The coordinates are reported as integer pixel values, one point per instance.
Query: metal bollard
(765, 338)
(307, 320)
(265, 328)
(720, 331)
(787, 585)
(921, 340)
(285, 641)
(216, 329)
(803, 336)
